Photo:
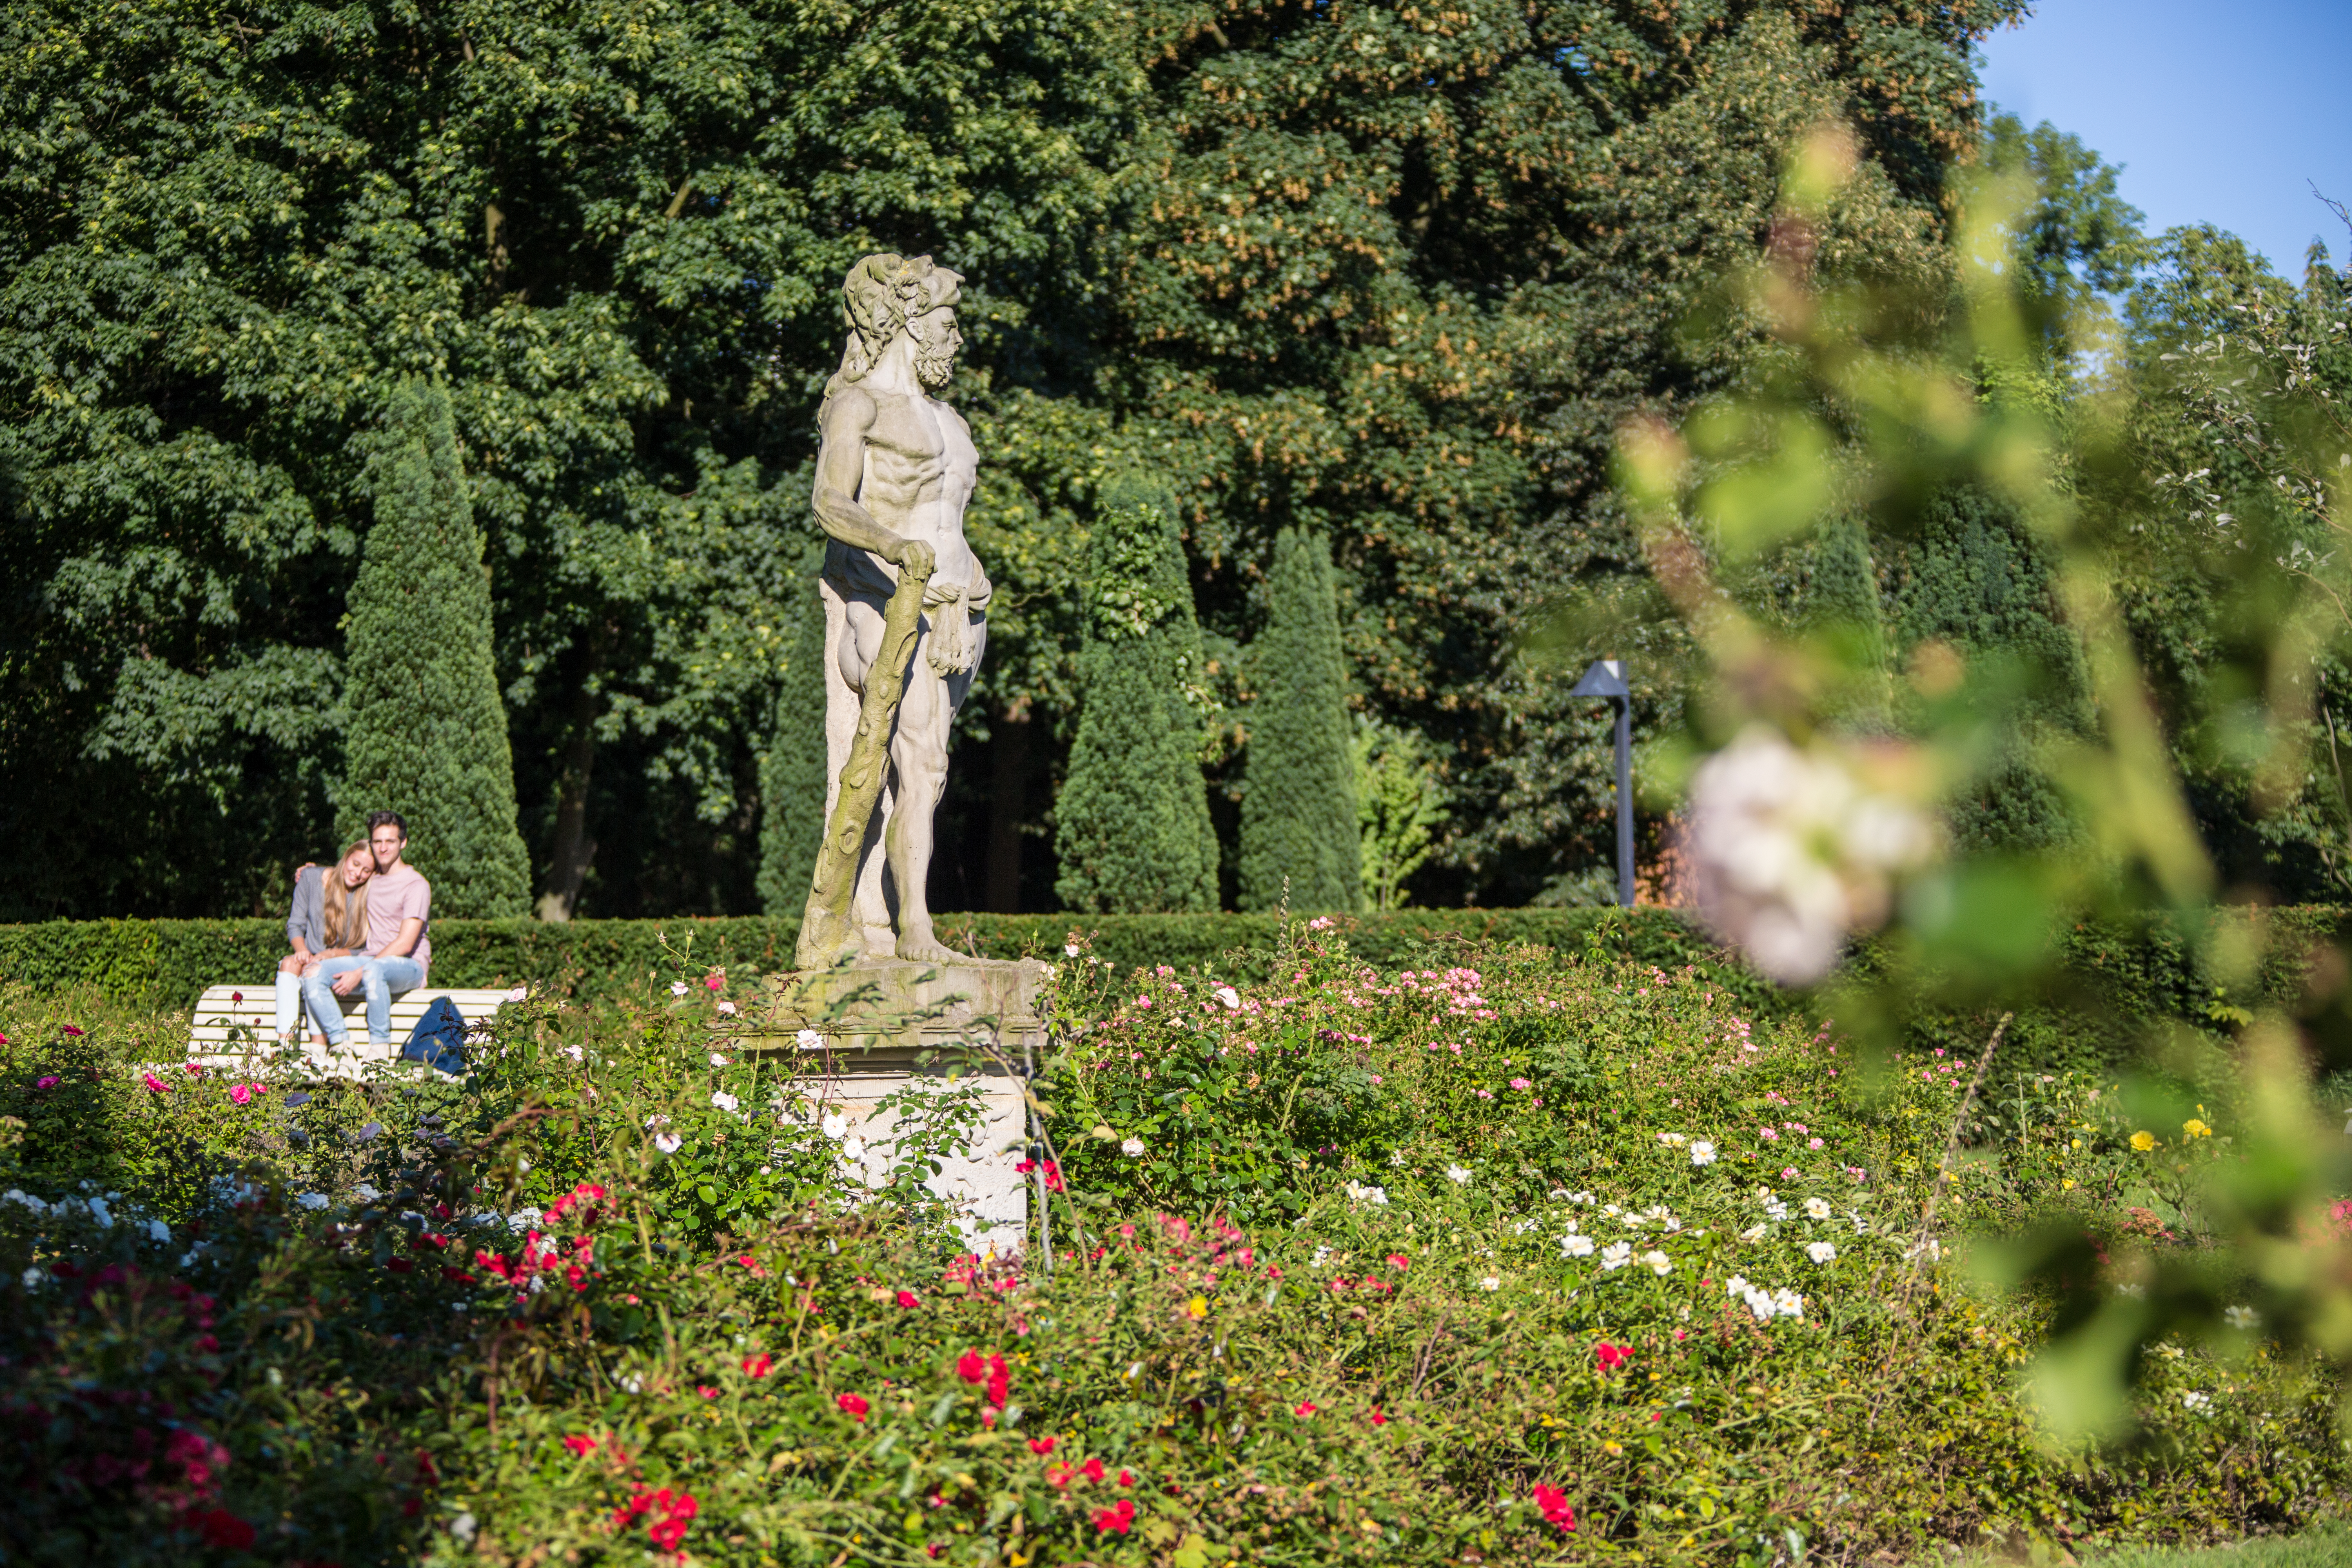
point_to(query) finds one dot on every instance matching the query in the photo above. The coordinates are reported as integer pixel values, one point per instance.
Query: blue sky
(2217, 114)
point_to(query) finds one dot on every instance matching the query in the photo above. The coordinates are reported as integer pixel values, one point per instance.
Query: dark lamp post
(1606, 677)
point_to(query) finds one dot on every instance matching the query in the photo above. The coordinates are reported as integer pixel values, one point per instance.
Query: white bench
(233, 1025)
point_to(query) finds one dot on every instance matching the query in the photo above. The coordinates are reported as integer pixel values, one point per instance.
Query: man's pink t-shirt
(394, 897)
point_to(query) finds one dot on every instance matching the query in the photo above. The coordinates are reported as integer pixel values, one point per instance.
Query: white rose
(808, 1039)
(853, 1148)
(1791, 849)
(1658, 1262)
(678, 988)
(724, 1101)
(1131, 1147)
(1816, 1208)
(1822, 1251)
(1230, 997)
(667, 1142)
(1702, 1153)
(835, 1125)
(1616, 1255)
(1490, 1283)
(1575, 1246)
(1458, 1174)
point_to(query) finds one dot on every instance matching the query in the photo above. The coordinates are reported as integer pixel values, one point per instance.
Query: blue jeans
(379, 978)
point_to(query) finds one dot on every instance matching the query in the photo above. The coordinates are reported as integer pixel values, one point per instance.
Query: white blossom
(1756, 1232)
(1672, 1139)
(1490, 1283)
(313, 1201)
(1658, 1263)
(159, 1233)
(724, 1101)
(1069, 949)
(1702, 1153)
(808, 1039)
(1575, 1246)
(1816, 1208)
(667, 1142)
(366, 1192)
(34, 1278)
(719, 1061)
(853, 1148)
(1790, 849)
(1131, 1147)
(835, 1125)
(1616, 1255)
(678, 987)
(1229, 997)
(2243, 1316)
(1378, 1196)
(1458, 1174)
(1822, 1251)
(726, 1008)
(2197, 1402)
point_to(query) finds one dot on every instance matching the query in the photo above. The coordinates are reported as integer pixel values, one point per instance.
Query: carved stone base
(887, 1024)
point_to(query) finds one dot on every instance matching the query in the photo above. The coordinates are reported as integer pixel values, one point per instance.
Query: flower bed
(1512, 1259)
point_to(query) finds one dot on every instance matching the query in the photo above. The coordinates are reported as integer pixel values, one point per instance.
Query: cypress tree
(426, 735)
(1132, 822)
(1298, 808)
(1973, 578)
(792, 770)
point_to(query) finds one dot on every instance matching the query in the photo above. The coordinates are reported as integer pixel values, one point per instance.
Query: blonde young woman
(328, 920)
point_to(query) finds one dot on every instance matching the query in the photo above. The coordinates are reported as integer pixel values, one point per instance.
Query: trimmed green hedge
(170, 962)
(2115, 979)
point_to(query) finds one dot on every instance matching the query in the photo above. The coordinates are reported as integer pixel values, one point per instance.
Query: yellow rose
(2142, 1141)
(2196, 1129)
(1198, 1307)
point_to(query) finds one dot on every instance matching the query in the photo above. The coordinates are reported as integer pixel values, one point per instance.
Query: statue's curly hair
(878, 297)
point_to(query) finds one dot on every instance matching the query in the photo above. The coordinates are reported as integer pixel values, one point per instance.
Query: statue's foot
(922, 947)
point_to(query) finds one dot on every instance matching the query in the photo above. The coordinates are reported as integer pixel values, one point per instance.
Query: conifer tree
(792, 770)
(1975, 580)
(1132, 822)
(1298, 806)
(426, 735)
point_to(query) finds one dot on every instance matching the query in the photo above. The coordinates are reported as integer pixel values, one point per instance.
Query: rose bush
(1506, 1257)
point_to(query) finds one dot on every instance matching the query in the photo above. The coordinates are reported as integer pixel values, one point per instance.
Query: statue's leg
(918, 754)
(853, 631)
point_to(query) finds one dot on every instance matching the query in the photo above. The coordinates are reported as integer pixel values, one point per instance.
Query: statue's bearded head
(886, 295)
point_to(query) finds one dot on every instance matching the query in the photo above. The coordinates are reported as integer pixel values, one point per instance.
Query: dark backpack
(439, 1038)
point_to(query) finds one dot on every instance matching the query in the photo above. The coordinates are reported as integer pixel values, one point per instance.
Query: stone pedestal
(885, 1024)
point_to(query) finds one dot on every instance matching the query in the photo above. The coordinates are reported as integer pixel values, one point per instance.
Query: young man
(400, 907)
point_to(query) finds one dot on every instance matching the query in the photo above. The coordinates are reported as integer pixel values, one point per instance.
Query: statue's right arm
(840, 469)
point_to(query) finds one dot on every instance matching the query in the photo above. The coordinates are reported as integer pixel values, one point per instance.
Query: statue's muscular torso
(916, 466)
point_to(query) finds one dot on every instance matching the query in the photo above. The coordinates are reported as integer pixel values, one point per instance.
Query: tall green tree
(1132, 822)
(1299, 841)
(617, 238)
(1399, 273)
(427, 732)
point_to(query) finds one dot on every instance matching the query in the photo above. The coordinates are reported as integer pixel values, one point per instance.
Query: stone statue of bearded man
(894, 470)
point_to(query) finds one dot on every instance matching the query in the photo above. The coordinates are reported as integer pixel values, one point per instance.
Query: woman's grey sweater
(307, 921)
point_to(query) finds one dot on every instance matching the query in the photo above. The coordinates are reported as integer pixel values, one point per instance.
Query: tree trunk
(573, 849)
(1008, 793)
